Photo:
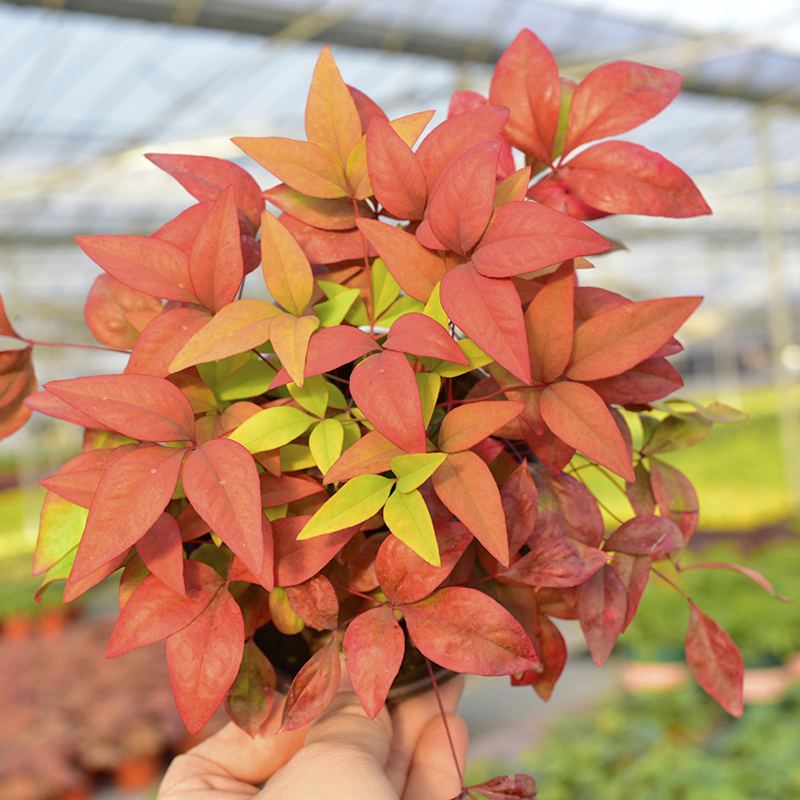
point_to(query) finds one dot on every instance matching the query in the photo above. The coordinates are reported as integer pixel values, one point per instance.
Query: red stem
(34, 342)
(450, 401)
(370, 296)
(444, 720)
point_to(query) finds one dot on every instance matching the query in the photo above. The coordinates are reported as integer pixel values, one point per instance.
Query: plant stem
(671, 583)
(34, 342)
(444, 720)
(370, 295)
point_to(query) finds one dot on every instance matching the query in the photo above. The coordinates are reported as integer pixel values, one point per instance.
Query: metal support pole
(781, 325)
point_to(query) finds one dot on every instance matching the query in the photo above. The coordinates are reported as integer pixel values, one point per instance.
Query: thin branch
(444, 720)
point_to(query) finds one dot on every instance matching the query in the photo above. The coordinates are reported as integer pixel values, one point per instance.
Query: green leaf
(58, 572)
(408, 518)
(433, 308)
(357, 500)
(430, 384)
(676, 433)
(352, 431)
(325, 443)
(413, 469)
(313, 395)
(271, 428)
(357, 315)
(385, 289)
(403, 305)
(60, 529)
(295, 457)
(336, 399)
(249, 380)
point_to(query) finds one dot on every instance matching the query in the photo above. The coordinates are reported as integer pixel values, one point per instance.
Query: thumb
(344, 756)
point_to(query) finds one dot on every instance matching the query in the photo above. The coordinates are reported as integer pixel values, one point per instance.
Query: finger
(343, 757)
(409, 719)
(232, 757)
(433, 774)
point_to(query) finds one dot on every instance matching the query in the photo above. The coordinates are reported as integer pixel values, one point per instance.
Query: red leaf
(523, 237)
(148, 265)
(554, 453)
(46, 403)
(556, 193)
(504, 787)
(314, 687)
(416, 269)
(315, 602)
(374, 644)
(75, 588)
(421, 335)
(143, 407)
(220, 479)
(556, 562)
(646, 535)
(370, 455)
(602, 603)
(675, 495)
(162, 340)
(549, 324)
(520, 500)
(161, 550)
(250, 699)
(460, 208)
(129, 499)
(216, 268)
(626, 178)
(526, 81)
(204, 658)
(331, 348)
(619, 339)
(237, 571)
(297, 561)
(385, 390)
(617, 97)
(453, 137)
(634, 572)
(577, 415)
(17, 384)
(287, 488)
(397, 180)
(366, 107)
(107, 305)
(650, 380)
(466, 631)
(406, 577)
(567, 508)
(554, 658)
(77, 479)
(490, 313)
(154, 611)
(205, 178)
(465, 485)
(715, 661)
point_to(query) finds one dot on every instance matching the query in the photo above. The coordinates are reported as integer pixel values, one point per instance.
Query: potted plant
(385, 456)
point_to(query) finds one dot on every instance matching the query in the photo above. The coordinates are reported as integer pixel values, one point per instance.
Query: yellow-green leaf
(357, 315)
(58, 572)
(433, 308)
(250, 380)
(413, 469)
(271, 428)
(429, 384)
(335, 397)
(278, 512)
(385, 288)
(355, 502)
(407, 517)
(60, 530)
(325, 443)
(312, 395)
(447, 369)
(403, 305)
(333, 311)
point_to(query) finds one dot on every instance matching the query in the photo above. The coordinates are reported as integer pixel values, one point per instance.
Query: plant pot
(288, 654)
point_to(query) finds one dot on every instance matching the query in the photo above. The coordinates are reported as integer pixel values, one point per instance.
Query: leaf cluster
(379, 454)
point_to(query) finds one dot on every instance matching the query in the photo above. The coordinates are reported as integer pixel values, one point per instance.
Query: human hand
(343, 755)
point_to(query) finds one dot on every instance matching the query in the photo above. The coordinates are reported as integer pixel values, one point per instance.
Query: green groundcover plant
(387, 458)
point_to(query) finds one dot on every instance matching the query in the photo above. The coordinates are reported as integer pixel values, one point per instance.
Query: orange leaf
(332, 120)
(216, 268)
(304, 166)
(577, 415)
(466, 486)
(415, 268)
(286, 269)
(423, 336)
(468, 424)
(289, 336)
(331, 215)
(370, 455)
(161, 550)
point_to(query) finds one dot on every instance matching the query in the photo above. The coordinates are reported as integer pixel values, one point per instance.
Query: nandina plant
(388, 457)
